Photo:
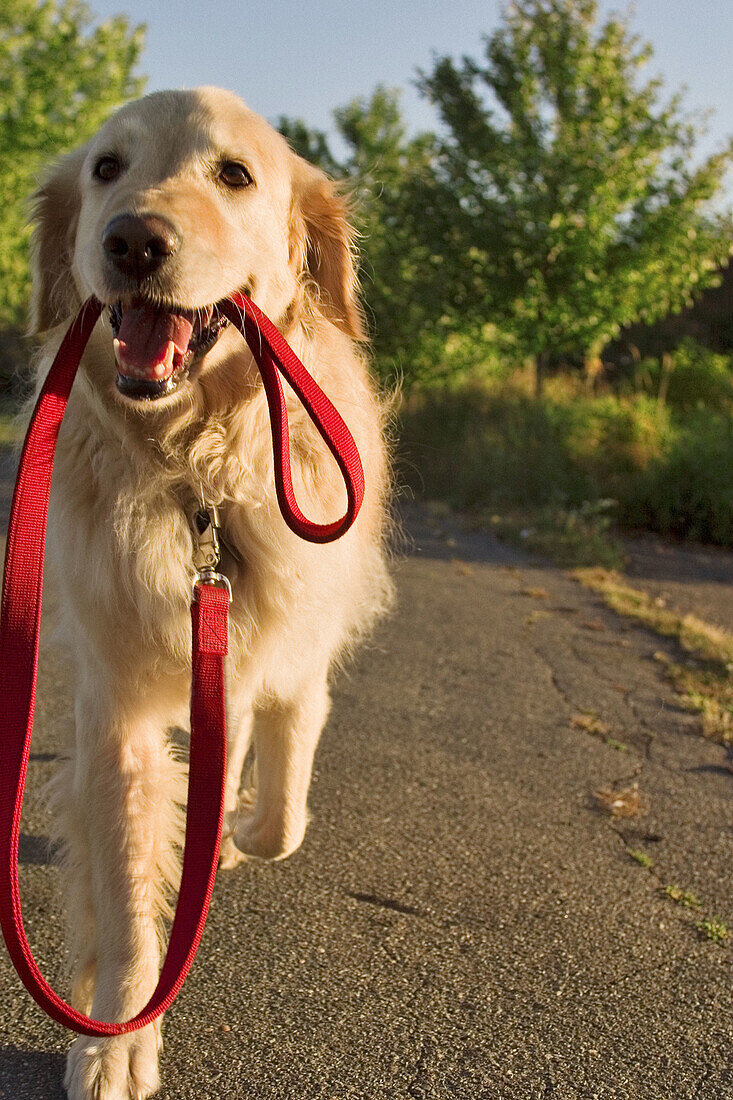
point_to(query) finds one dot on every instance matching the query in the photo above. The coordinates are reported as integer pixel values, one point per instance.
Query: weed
(682, 897)
(714, 929)
(571, 537)
(641, 857)
(592, 724)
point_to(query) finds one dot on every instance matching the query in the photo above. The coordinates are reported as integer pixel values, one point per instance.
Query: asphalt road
(462, 921)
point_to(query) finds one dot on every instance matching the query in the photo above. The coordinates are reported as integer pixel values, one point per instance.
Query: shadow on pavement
(443, 539)
(655, 559)
(31, 1073)
(36, 850)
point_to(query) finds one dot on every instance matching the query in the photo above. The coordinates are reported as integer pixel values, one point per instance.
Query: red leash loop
(20, 618)
(274, 356)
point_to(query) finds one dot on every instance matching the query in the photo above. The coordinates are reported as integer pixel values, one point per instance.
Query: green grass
(570, 537)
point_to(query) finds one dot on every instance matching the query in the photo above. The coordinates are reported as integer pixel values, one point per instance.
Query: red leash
(20, 619)
(274, 354)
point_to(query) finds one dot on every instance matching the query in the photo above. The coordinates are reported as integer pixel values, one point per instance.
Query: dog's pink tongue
(148, 340)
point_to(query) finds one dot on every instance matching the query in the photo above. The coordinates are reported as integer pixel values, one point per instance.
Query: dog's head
(181, 198)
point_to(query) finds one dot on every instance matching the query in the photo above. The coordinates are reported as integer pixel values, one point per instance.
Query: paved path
(461, 920)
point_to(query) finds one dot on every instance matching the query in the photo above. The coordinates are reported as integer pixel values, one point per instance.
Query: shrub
(695, 378)
(688, 491)
(493, 447)
(612, 439)
(485, 446)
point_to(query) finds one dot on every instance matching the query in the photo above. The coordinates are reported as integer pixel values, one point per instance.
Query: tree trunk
(541, 363)
(593, 367)
(667, 364)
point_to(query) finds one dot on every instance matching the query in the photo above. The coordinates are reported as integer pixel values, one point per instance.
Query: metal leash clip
(206, 550)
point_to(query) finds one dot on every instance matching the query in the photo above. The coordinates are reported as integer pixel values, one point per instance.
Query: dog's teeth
(118, 352)
(132, 370)
(165, 366)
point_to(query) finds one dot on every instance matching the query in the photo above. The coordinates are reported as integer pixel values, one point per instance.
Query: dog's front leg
(124, 788)
(239, 738)
(286, 734)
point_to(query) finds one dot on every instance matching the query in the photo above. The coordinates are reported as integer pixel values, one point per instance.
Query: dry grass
(708, 692)
(589, 722)
(697, 637)
(705, 680)
(622, 801)
(536, 593)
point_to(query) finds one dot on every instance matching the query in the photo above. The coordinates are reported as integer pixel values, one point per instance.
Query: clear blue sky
(305, 57)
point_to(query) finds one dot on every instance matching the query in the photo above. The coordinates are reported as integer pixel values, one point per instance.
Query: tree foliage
(567, 199)
(563, 202)
(60, 78)
(384, 172)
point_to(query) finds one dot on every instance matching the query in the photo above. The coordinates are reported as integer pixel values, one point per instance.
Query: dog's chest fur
(125, 513)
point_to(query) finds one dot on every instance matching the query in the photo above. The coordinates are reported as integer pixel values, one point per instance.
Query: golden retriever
(181, 198)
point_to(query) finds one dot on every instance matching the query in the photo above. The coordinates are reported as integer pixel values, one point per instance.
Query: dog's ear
(322, 246)
(55, 209)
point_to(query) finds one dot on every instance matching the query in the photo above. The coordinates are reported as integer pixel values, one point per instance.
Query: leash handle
(274, 356)
(20, 617)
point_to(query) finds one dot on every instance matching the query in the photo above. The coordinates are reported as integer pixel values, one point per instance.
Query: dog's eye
(107, 168)
(234, 174)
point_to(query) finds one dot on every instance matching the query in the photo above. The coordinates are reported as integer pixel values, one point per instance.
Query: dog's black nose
(139, 245)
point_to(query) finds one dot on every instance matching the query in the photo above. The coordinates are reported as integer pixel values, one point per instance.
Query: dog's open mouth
(156, 346)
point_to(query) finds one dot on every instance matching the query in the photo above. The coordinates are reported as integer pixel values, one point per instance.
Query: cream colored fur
(120, 544)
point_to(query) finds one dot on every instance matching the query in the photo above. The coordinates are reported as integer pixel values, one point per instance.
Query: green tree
(59, 80)
(385, 172)
(566, 201)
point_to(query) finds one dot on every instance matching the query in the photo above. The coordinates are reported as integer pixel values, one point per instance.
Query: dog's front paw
(123, 1067)
(267, 840)
(229, 855)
